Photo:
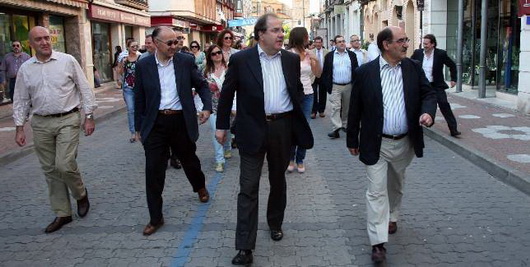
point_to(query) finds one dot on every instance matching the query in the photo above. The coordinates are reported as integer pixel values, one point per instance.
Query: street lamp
(420, 4)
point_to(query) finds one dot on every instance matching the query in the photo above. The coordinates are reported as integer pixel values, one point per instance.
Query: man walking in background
(11, 64)
(320, 93)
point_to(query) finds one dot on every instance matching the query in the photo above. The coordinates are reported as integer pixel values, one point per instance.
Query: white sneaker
(228, 154)
(300, 167)
(291, 166)
(219, 167)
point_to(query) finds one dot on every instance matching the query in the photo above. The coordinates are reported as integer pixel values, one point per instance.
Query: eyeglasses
(217, 53)
(228, 37)
(170, 42)
(401, 41)
(181, 38)
(194, 46)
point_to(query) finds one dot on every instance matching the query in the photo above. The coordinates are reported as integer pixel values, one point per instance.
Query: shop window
(57, 33)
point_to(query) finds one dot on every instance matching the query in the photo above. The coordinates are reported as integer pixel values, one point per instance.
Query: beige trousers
(340, 103)
(56, 140)
(385, 187)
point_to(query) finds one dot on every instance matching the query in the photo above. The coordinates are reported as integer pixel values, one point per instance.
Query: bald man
(391, 131)
(54, 98)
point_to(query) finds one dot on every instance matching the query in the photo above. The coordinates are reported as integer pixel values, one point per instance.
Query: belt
(276, 116)
(60, 114)
(169, 112)
(394, 137)
(341, 84)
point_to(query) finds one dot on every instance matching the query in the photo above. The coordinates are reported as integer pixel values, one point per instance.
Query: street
(454, 213)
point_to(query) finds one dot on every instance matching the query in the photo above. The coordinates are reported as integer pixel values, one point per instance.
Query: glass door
(101, 50)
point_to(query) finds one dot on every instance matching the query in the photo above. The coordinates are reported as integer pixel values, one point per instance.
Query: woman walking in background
(225, 40)
(127, 68)
(309, 69)
(214, 72)
(200, 58)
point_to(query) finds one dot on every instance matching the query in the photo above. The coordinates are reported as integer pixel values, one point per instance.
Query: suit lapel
(178, 71)
(286, 69)
(376, 79)
(406, 69)
(254, 65)
(154, 75)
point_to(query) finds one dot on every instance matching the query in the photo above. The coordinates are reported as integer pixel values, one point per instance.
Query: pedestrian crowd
(259, 98)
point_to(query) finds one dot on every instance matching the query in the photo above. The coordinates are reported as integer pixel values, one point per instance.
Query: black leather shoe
(276, 235)
(392, 227)
(83, 205)
(455, 133)
(378, 253)
(243, 257)
(334, 134)
(57, 224)
(175, 163)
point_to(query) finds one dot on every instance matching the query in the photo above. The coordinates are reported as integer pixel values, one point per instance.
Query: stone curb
(9, 157)
(499, 171)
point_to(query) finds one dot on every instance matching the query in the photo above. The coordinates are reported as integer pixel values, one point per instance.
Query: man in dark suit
(337, 77)
(269, 121)
(320, 94)
(391, 99)
(433, 60)
(165, 116)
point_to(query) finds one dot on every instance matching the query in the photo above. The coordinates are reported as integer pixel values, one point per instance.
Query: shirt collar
(262, 53)
(160, 63)
(425, 54)
(54, 56)
(337, 51)
(383, 63)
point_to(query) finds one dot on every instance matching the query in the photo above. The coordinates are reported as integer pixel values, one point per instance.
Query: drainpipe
(483, 44)
(459, 45)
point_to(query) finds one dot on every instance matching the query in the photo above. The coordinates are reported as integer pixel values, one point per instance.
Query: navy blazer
(327, 71)
(244, 76)
(366, 108)
(439, 60)
(147, 93)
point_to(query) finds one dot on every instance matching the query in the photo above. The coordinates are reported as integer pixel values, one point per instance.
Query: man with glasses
(10, 65)
(391, 131)
(361, 54)
(433, 61)
(337, 77)
(166, 117)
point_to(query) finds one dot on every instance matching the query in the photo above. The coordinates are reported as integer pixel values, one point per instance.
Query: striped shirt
(341, 67)
(395, 116)
(276, 97)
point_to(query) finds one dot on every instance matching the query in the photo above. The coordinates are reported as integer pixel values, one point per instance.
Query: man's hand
(426, 120)
(354, 151)
(220, 136)
(89, 126)
(453, 83)
(20, 136)
(203, 116)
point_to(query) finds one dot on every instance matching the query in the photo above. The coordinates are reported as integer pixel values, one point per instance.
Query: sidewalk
(109, 99)
(494, 137)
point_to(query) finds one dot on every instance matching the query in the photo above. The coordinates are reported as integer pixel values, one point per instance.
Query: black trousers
(168, 131)
(445, 108)
(319, 97)
(277, 149)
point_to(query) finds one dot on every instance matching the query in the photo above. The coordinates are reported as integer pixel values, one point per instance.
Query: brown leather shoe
(204, 196)
(378, 253)
(57, 224)
(83, 205)
(151, 229)
(392, 227)
(322, 114)
(313, 115)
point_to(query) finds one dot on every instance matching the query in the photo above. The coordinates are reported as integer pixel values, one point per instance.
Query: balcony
(138, 4)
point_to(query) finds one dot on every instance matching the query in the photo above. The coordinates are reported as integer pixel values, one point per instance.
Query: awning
(74, 3)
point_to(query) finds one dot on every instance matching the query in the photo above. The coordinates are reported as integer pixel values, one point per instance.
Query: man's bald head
(39, 40)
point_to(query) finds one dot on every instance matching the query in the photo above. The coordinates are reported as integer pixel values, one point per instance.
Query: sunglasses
(217, 53)
(181, 38)
(16, 45)
(228, 37)
(134, 46)
(194, 46)
(170, 42)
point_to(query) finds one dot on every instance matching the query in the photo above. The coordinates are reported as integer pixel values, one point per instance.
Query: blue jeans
(128, 96)
(218, 148)
(297, 153)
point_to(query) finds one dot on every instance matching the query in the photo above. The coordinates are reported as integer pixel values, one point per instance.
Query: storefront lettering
(103, 13)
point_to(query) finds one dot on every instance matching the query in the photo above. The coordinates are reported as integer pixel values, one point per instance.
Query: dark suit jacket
(327, 72)
(366, 108)
(147, 93)
(244, 76)
(440, 59)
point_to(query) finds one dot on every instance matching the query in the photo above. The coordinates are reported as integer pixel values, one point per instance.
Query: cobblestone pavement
(454, 213)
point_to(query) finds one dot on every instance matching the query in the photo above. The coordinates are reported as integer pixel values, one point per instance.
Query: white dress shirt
(427, 65)
(169, 98)
(394, 113)
(275, 95)
(341, 67)
(360, 54)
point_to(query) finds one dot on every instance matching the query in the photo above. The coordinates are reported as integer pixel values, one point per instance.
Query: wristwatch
(89, 116)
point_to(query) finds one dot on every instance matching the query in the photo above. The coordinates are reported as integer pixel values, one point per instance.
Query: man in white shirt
(361, 54)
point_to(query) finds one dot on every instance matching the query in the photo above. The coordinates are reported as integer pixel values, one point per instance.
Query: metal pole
(483, 44)
(421, 28)
(459, 45)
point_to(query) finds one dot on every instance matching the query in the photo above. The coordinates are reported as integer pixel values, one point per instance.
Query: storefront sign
(242, 22)
(169, 21)
(524, 7)
(212, 28)
(113, 15)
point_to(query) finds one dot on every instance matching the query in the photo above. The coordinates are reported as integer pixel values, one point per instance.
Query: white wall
(523, 96)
